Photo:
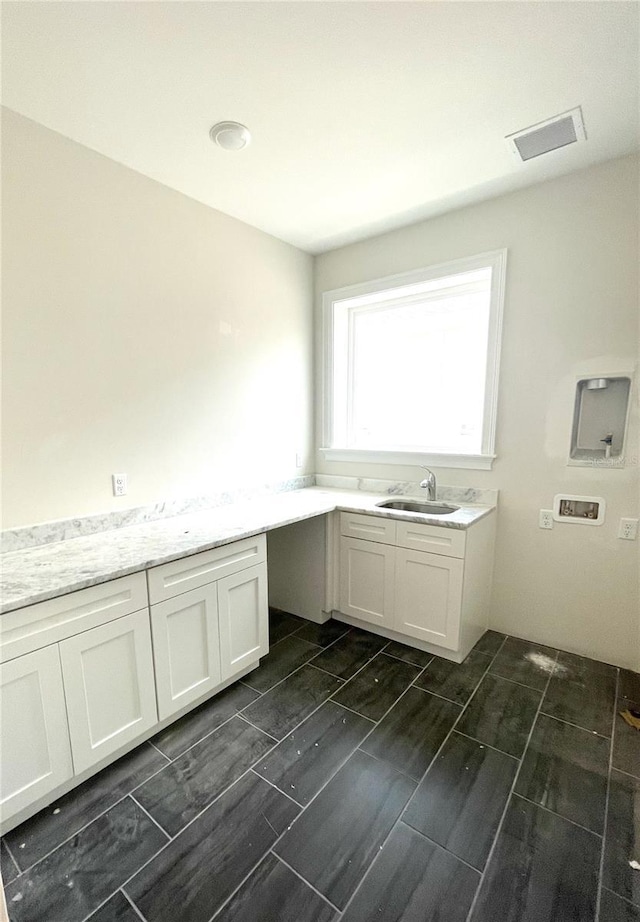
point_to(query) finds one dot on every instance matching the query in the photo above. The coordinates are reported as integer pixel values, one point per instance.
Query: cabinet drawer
(449, 542)
(39, 625)
(368, 527)
(179, 576)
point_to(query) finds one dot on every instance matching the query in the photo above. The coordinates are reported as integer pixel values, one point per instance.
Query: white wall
(143, 333)
(571, 309)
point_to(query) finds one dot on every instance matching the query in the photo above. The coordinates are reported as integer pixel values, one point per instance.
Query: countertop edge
(329, 500)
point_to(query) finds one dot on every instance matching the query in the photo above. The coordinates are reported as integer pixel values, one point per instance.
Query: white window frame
(497, 261)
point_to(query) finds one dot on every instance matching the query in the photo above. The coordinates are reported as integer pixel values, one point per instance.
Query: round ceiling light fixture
(230, 135)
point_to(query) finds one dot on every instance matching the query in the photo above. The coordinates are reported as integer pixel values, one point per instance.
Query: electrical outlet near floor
(546, 518)
(628, 529)
(119, 482)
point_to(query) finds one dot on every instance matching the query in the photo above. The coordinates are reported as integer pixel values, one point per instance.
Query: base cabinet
(244, 623)
(417, 581)
(428, 597)
(34, 738)
(367, 574)
(84, 676)
(186, 648)
(109, 686)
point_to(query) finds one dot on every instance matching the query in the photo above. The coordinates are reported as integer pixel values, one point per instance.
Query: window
(411, 365)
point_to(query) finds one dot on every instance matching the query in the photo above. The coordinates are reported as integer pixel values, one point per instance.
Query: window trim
(497, 260)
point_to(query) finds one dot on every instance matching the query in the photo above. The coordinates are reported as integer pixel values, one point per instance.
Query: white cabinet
(109, 686)
(34, 739)
(428, 597)
(367, 580)
(81, 680)
(210, 619)
(244, 619)
(186, 648)
(413, 580)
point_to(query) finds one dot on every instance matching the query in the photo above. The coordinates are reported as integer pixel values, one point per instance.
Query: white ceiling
(365, 115)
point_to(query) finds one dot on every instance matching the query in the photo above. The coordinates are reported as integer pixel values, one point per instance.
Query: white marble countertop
(35, 574)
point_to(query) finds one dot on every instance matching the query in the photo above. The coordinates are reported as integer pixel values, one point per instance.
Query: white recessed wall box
(552, 134)
(582, 510)
(600, 417)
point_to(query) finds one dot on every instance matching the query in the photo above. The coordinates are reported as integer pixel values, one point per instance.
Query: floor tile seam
(351, 710)
(497, 675)
(440, 846)
(401, 660)
(15, 863)
(357, 713)
(474, 739)
(360, 668)
(625, 899)
(344, 761)
(606, 802)
(132, 904)
(401, 815)
(290, 635)
(226, 902)
(243, 717)
(261, 692)
(304, 880)
(163, 754)
(415, 781)
(508, 800)
(340, 765)
(304, 626)
(276, 788)
(598, 835)
(623, 772)
(471, 695)
(80, 829)
(288, 676)
(153, 820)
(193, 745)
(570, 723)
(166, 845)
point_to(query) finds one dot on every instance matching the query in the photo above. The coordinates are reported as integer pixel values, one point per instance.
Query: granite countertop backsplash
(34, 574)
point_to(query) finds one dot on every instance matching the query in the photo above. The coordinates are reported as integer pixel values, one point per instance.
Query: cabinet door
(34, 737)
(366, 581)
(243, 611)
(186, 648)
(109, 687)
(428, 597)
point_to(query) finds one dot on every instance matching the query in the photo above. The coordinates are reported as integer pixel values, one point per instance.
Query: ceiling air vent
(549, 135)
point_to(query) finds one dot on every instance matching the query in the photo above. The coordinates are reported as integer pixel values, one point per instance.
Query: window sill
(432, 459)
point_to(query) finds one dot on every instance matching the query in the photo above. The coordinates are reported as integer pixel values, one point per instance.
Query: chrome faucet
(429, 483)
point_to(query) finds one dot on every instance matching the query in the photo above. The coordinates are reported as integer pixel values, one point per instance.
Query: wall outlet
(628, 529)
(119, 482)
(299, 459)
(546, 518)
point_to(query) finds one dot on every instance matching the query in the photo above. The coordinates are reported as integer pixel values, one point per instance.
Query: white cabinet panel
(178, 576)
(368, 527)
(428, 597)
(40, 625)
(431, 538)
(366, 580)
(244, 619)
(186, 648)
(109, 686)
(34, 737)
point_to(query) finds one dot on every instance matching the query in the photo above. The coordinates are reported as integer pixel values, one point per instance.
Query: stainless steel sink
(424, 506)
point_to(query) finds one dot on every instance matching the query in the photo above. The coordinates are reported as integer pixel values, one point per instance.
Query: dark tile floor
(350, 778)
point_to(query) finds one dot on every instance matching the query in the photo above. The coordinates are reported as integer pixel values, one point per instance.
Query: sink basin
(424, 506)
